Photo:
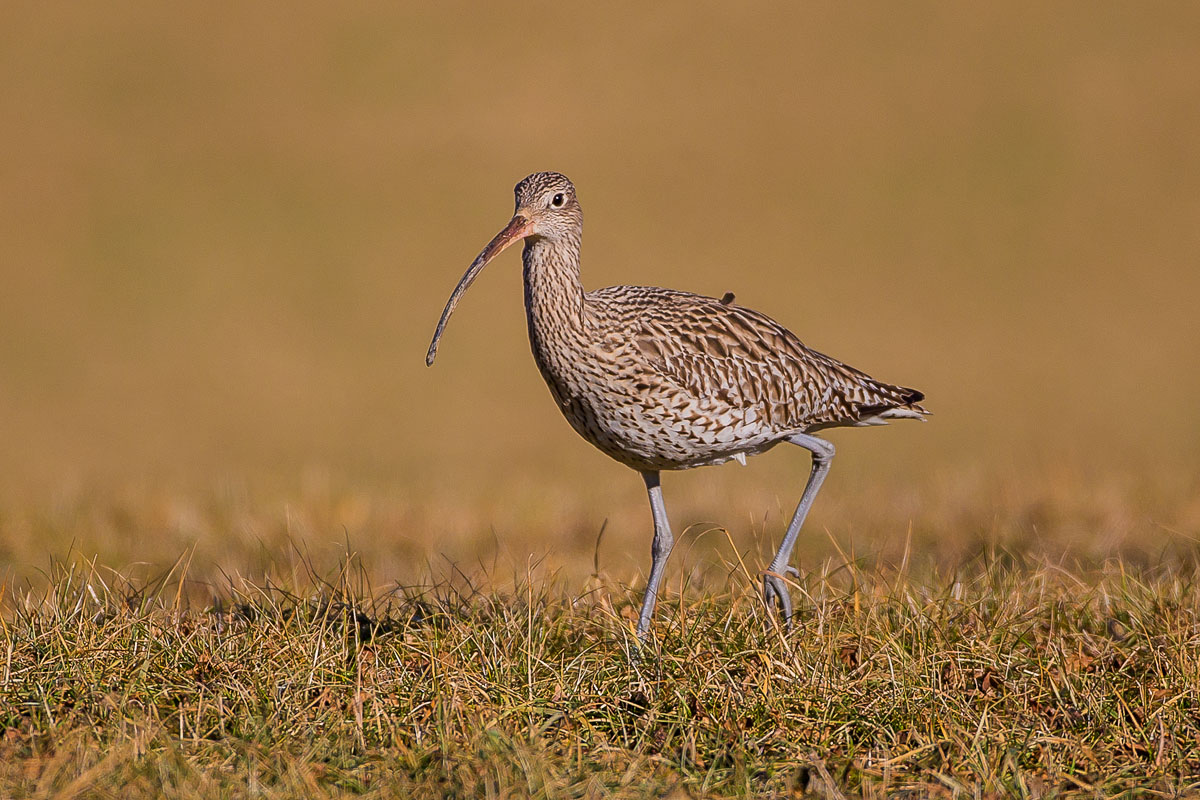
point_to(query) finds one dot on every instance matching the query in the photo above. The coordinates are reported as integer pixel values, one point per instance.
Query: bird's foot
(641, 643)
(775, 592)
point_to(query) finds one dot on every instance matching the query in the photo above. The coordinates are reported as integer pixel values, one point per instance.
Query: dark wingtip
(913, 396)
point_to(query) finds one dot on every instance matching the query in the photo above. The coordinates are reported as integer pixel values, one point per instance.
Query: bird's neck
(554, 301)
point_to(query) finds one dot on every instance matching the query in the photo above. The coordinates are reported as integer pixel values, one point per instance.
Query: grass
(1006, 676)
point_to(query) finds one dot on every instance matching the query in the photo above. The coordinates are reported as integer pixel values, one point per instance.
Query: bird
(663, 380)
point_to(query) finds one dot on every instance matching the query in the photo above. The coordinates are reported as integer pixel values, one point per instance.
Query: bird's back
(688, 380)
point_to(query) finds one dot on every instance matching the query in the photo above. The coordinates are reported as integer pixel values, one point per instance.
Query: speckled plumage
(666, 380)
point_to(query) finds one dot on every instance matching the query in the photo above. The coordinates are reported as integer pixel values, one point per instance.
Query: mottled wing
(731, 356)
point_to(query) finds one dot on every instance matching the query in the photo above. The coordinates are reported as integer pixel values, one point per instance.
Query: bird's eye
(558, 200)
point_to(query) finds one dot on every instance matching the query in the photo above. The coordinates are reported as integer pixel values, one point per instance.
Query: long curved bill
(517, 228)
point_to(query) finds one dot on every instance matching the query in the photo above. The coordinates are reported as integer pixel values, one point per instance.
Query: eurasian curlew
(663, 380)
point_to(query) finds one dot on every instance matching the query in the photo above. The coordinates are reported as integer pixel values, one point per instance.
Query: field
(250, 545)
(997, 675)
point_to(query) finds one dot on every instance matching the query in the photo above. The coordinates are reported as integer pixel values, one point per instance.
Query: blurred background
(227, 231)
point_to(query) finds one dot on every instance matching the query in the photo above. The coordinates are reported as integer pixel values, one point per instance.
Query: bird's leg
(661, 550)
(774, 584)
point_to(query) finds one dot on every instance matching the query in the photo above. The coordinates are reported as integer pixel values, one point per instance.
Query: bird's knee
(822, 451)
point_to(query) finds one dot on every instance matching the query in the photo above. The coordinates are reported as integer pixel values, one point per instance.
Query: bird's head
(547, 203)
(546, 209)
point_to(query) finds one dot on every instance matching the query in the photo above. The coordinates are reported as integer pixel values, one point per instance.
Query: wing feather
(728, 355)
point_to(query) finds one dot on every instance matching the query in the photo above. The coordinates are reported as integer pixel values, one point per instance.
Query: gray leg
(774, 586)
(661, 549)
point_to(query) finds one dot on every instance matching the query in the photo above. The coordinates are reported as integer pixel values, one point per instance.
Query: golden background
(226, 233)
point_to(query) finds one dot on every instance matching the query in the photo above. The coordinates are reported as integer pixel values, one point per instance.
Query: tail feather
(904, 404)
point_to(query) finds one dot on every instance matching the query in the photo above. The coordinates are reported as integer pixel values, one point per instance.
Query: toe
(776, 595)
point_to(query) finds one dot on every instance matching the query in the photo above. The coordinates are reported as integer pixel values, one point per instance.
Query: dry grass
(1008, 676)
(1043, 642)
